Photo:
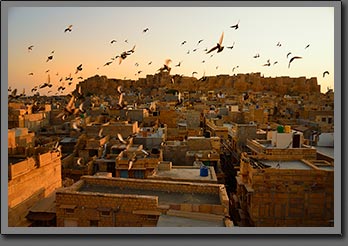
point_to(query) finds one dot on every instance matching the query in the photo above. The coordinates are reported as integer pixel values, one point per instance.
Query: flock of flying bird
(166, 66)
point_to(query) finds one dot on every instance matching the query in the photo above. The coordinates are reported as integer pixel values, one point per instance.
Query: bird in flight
(275, 63)
(257, 55)
(178, 65)
(234, 68)
(267, 64)
(107, 64)
(200, 41)
(30, 73)
(145, 30)
(236, 26)
(293, 58)
(149, 63)
(218, 46)
(49, 58)
(69, 28)
(307, 46)
(279, 44)
(184, 42)
(326, 72)
(193, 73)
(125, 54)
(203, 78)
(79, 68)
(231, 47)
(30, 48)
(287, 55)
(166, 66)
(113, 41)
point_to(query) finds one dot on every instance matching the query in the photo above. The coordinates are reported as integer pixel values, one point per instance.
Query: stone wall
(31, 181)
(130, 210)
(287, 197)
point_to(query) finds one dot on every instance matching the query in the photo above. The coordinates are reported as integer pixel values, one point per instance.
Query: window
(139, 174)
(68, 209)
(93, 223)
(105, 213)
(124, 174)
(329, 120)
(323, 119)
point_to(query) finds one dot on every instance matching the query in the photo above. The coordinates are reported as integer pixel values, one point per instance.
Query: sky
(89, 42)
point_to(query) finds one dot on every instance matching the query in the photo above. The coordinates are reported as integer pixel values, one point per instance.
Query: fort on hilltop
(101, 85)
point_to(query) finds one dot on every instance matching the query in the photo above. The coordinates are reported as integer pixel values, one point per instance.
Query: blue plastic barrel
(203, 171)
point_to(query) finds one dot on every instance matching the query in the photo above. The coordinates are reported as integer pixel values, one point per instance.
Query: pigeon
(200, 41)
(178, 65)
(287, 55)
(30, 48)
(326, 72)
(231, 47)
(79, 68)
(203, 78)
(184, 42)
(108, 63)
(145, 30)
(69, 28)
(49, 58)
(295, 57)
(100, 133)
(119, 136)
(218, 46)
(257, 55)
(125, 54)
(307, 46)
(236, 26)
(113, 41)
(165, 66)
(267, 64)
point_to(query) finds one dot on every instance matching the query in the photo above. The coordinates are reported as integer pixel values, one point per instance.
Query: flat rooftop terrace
(164, 197)
(293, 164)
(177, 221)
(298, 165)
(188, 174)
(328, 151)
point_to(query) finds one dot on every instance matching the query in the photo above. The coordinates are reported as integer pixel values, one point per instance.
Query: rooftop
(328, 151)
(164, 197)
(293, 164)
(178, 221)
(186, 174)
